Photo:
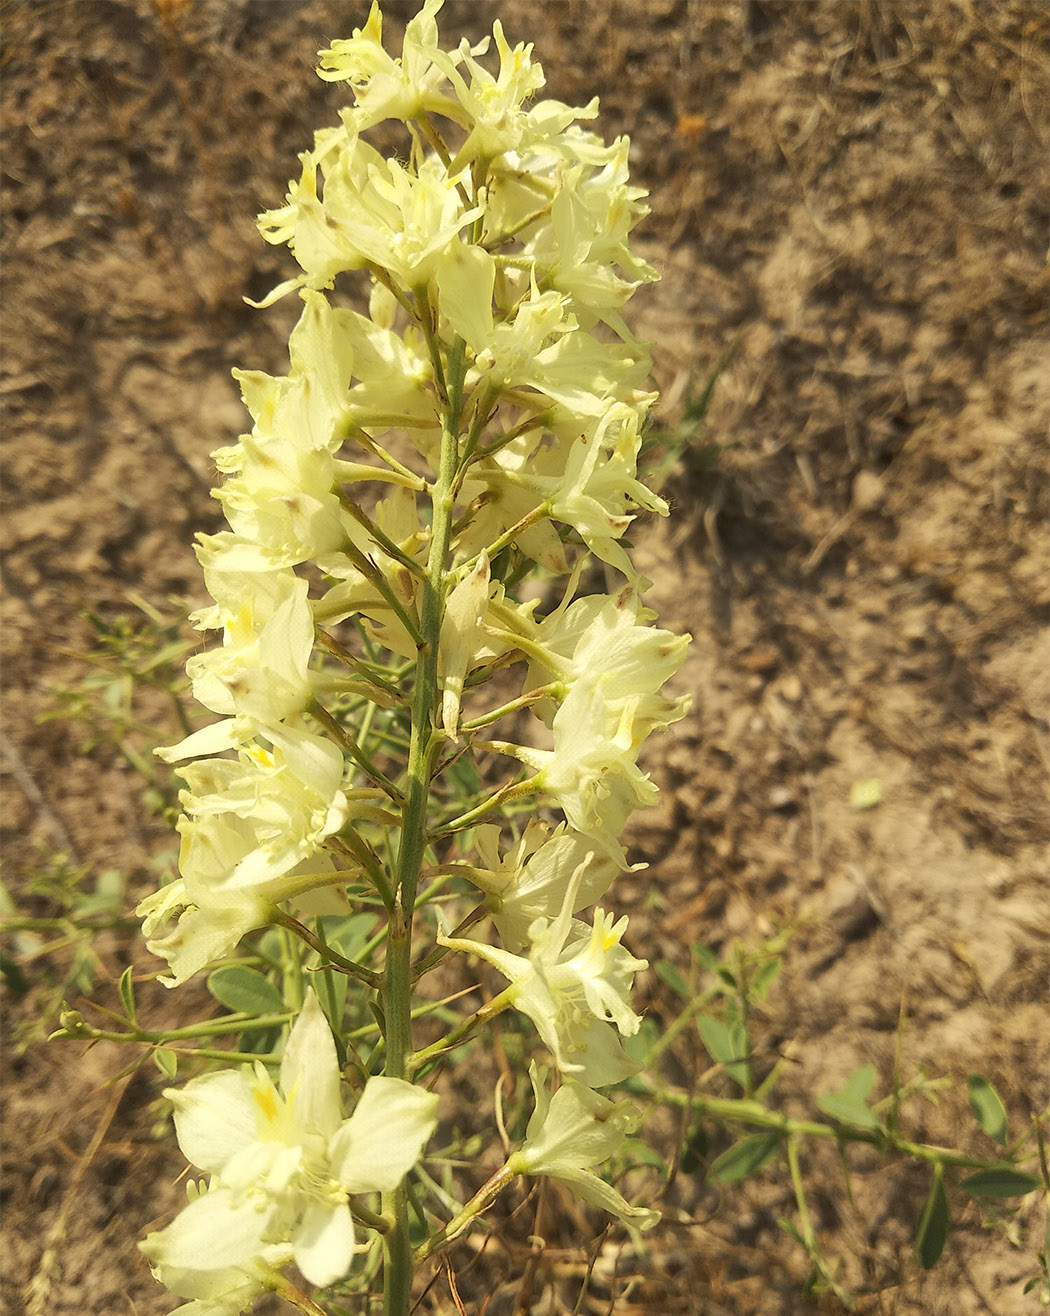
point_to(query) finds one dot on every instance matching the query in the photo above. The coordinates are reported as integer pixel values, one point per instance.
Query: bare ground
(850, 200)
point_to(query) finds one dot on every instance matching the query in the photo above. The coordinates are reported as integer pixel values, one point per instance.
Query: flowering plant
(410, 522)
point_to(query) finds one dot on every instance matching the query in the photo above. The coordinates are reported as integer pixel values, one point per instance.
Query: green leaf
(258, 1042)
(727, 1044)
(765, 977)
(850, 1104)
(127, 994)
(1000, 1181)
(708, 959)
(465, 777)
(670, 975)
(641, 1153)
(166, 1061)
(245, 990)
(988, 1109)
(931, 1234)
(640, 1045)
(743, 1158)
(348, 934)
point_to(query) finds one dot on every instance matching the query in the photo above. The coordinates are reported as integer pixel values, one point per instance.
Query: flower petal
(212, 1233)
(310, 1072)
(384, 1137)
(215, 1117)
(598, 1193)
(324, 1243)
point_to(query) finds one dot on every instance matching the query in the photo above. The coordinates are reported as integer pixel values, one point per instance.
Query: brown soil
(849, 198)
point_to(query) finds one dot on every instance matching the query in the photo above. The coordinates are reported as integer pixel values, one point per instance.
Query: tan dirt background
(850, 199)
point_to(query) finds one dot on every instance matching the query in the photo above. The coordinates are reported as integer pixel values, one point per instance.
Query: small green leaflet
(850, 1104)
(765, 977)
(743, 1158)
(127, 994)
(931, 1233)
(245, 991)
(988, 1109)
(727, 1044)
(670, 975)
(708, 959)
(166, 1061)
(1000, 1181)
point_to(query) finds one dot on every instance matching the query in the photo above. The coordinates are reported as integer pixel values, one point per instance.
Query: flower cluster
(399, 517)
(283, 1164)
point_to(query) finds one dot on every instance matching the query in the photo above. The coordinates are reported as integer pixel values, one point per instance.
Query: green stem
(383, 540)
(290, 1293)
(424, 316)
(539, 421)
(484, 410)
(523, 701)
(347, 743)
(375, 577)
(384, 277)
(698, 1003)
(508, 234)
(439, 952)
(230, 1023)
(795, 1171)
(483, 1198)
(370, 1218)
(327, 954)
(397, 991)
(462, 1030)
(291, 966)
(352, 844)
(397, 473)
(364, 669)
(430, 132)
(809, 1237)
(512, 791)
(237, 1057)
(741, 1110)
(370, 1030)
(532, 518)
